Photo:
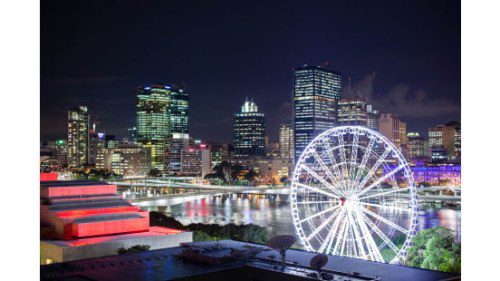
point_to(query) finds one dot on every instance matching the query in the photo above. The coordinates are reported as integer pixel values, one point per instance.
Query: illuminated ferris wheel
(353, 195)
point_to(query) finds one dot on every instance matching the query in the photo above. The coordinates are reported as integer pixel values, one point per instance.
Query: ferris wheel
(353, 195)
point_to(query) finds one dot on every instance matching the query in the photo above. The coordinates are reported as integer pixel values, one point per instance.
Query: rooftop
(163, 265)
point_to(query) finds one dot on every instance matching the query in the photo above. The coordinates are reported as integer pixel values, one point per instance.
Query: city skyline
(105, 74)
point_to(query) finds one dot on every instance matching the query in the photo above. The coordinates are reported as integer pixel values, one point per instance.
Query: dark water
(276, 216)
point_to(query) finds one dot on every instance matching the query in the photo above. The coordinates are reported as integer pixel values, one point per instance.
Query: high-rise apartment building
(249, 131)
(286, 141)
(316, 92)
(372, 117)
(78, 137)
(352, 112)
(393, 129)
(162, 110)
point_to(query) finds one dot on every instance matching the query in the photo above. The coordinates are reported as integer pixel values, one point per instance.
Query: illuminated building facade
(173, 151)
(162, 110)
(414, 145)
(249, 131)
(286, 141)
(195, 160)
(78, 137)
(179, 110)
(352, 112)
(153, 121)
(218, 152)
(269, 169)
(97, 142)
(59, 151)
(316, 92)
(372, 117)
(435, 174)
(126, 160)
(393, 129)
(447, 137)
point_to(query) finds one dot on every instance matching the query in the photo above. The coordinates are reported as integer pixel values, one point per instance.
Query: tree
(159, 219)
(425, 184)
(133, 249)
(435, 249)
(154, 173)
(251, 175)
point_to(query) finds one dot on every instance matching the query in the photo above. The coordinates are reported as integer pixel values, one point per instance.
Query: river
(276, 216)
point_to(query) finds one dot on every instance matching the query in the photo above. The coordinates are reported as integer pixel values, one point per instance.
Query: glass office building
(316, 93)
(162, 110)
(249, 131)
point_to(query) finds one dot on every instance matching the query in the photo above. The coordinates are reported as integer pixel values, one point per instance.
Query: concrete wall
(58, 253)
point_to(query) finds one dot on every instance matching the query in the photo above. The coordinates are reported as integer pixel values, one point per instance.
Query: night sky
(404, 56)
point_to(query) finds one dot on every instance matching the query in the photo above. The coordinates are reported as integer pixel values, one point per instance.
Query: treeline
(209, 232)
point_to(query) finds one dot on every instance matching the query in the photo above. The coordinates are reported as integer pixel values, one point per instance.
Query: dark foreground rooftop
(163, 265)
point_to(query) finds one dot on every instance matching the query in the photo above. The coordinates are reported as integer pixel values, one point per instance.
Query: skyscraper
(286, 141)
(162, 110)
(352, 111)
(78, 137)
(249, 131)
(179, 110)
(316, 92)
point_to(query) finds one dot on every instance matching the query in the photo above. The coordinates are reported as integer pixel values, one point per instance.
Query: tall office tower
(78, 137)
(393, 128)
(179, 110)
(352, 111)
(372, 117)
(162, 110)
(316, 92)
(153, 121)
(249, 131)
(414, 145)
(218, 153)
(286, 141)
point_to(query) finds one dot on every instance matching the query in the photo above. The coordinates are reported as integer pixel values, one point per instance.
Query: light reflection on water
(276, 216)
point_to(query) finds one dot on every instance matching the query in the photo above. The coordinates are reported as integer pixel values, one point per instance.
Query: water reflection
(276, 216)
